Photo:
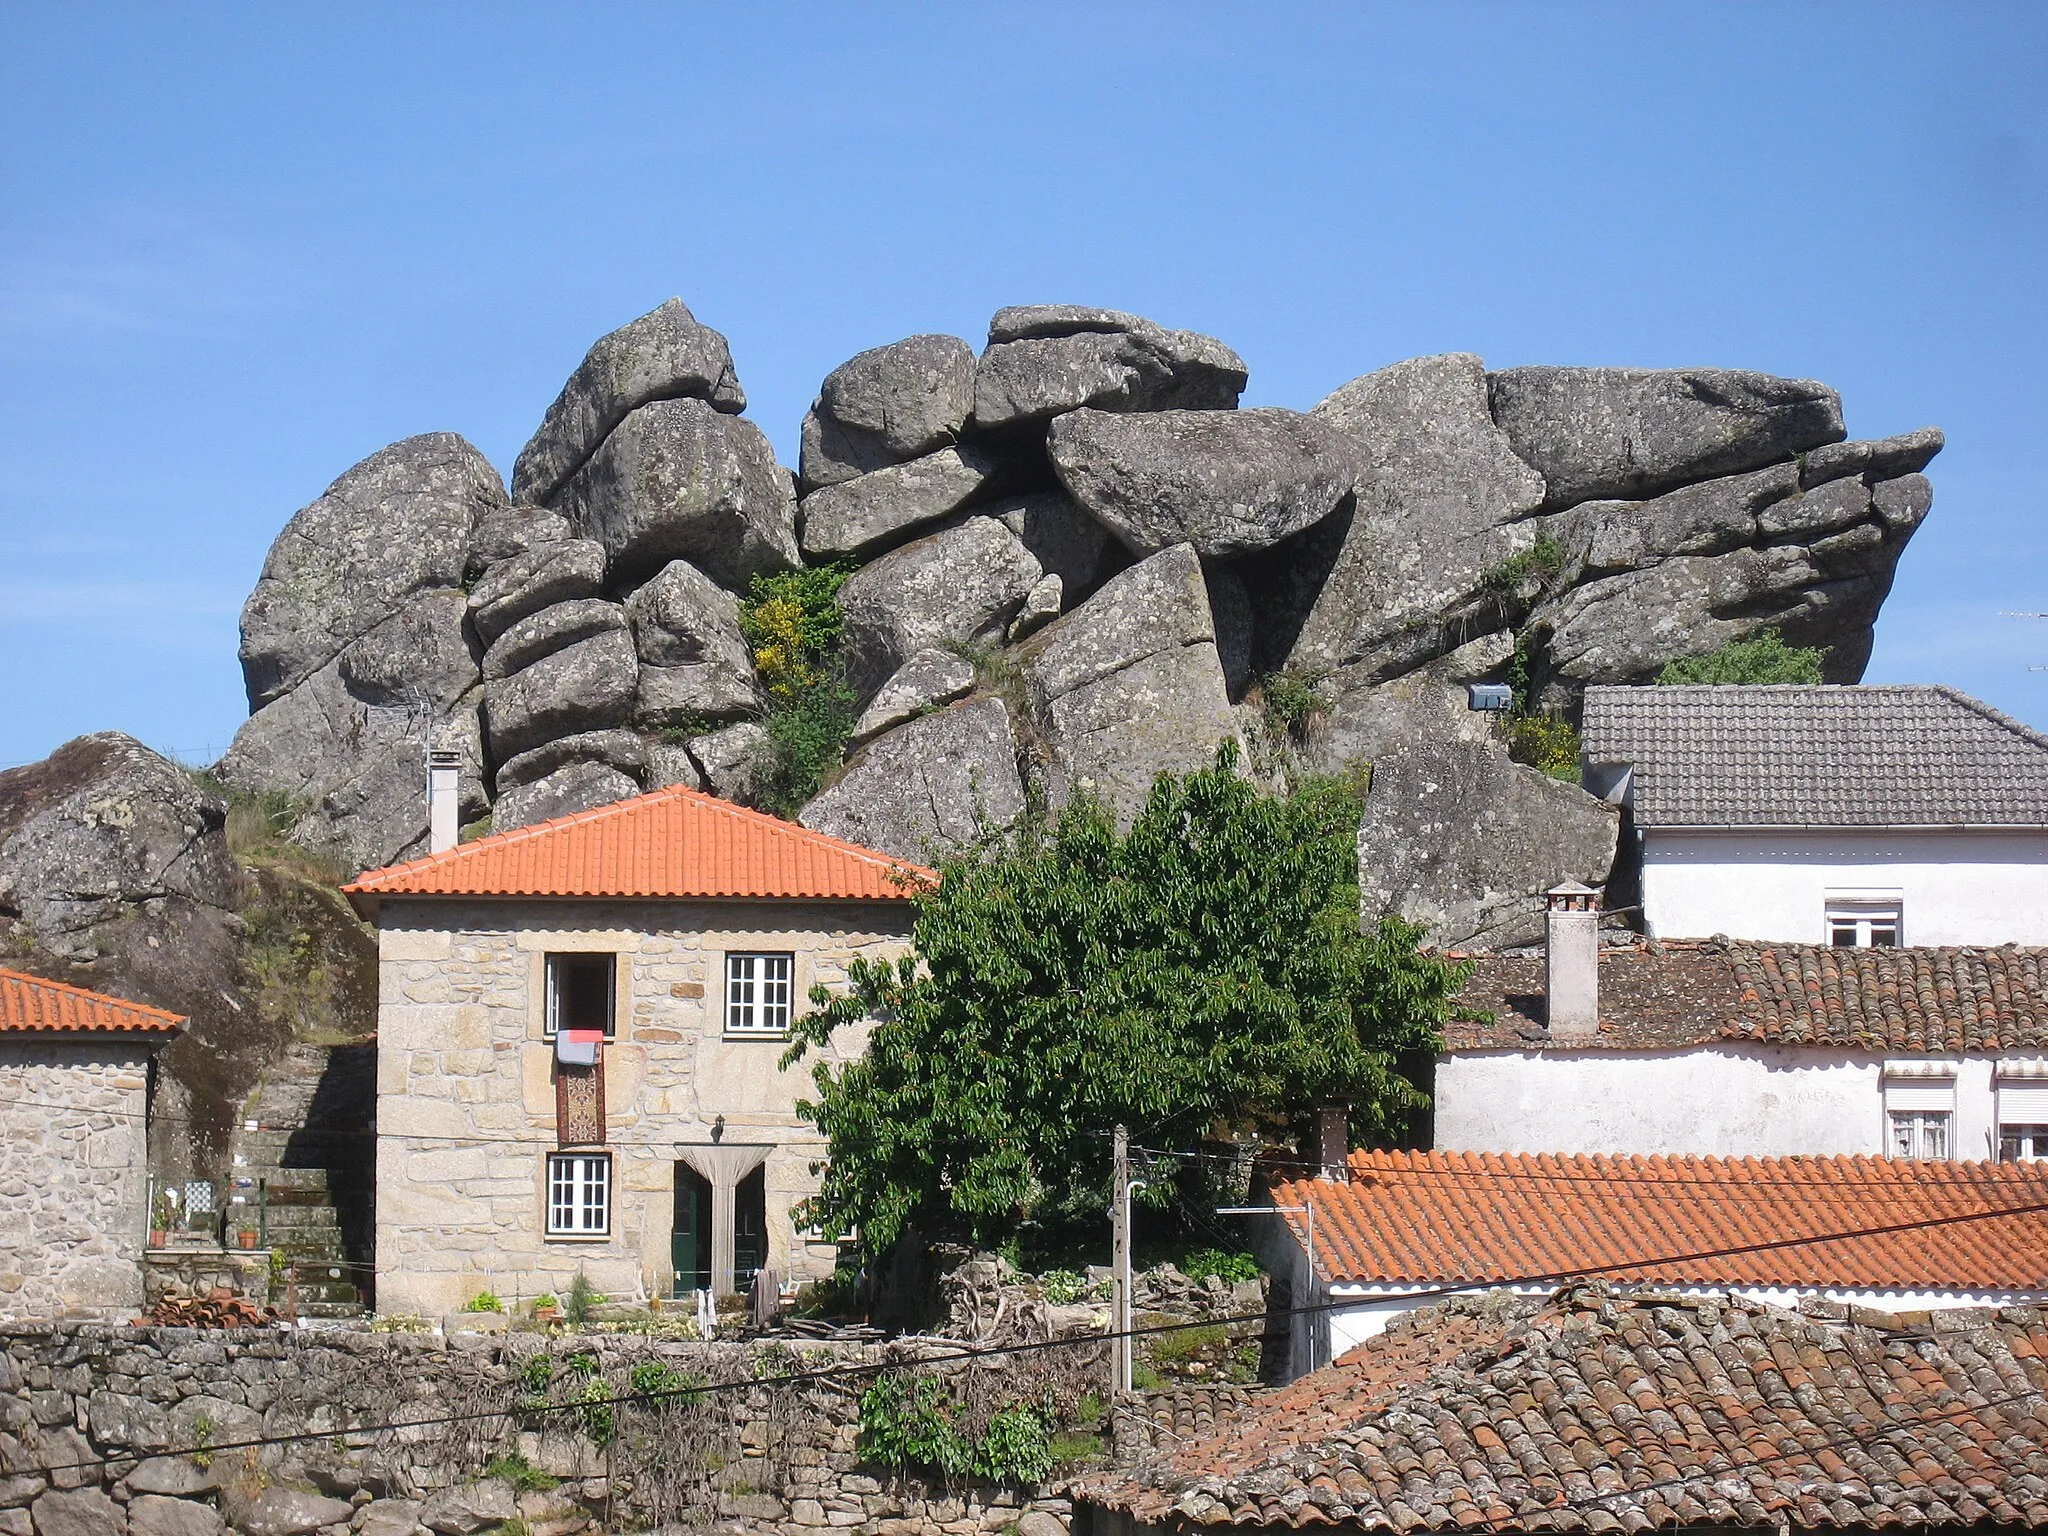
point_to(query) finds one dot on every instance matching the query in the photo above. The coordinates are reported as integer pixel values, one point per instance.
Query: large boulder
(622, 750)
(735, 763)
(885, 406)
(1440, 501)
(664, 355)
(1226, 482)
(939, 783)
(1462, 841)
(348, 745)
(396, 525)
(1129, 685)
(962, 585)
(860, 517)
(550, 630)
(1632, 432)
(575, 786)
(1043, 359)
(1064, 540)
(677, 480)
(1885, 458)
(586, 686)
(694, 662)
(532, 580)
(511, 531)
(921, 684)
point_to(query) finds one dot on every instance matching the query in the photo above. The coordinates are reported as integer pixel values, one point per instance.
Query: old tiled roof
(29, 1004)
(1895, 1000)
(1819, 757)
(1604, 1413)
(1485, 1217)
(673, 842)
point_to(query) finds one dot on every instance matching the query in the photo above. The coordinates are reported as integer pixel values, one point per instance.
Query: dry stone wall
(118, 1431)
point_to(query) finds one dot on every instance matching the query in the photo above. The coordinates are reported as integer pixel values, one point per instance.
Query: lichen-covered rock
(694, 662)
(1440, 496)
(1064, 540)
(885, 406)
(928, 679)
(936, 784)
(536, 579)
(962, 585)
(1885, 458)
(587, 686)
(736, 761)
(860, 517)
(78, 1512)
(153, 1514)
(573, 787)
(511, 531)
(469, 1507)
(283, 1511)
(1460, 840)
(550, 630)
(1633, 432)
(619, 749)
(1042, 604)
(669, 762)
(395, 525)
(1044, 359)
(351, 741)
(1227, 482)
(677, 480)
(664, 355)
(1129, 685)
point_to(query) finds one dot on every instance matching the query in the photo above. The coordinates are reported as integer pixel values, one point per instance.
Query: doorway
(749, 1228)
(689, 1248)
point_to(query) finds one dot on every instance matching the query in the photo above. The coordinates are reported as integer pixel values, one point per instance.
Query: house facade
(580, 1033)
(1844, 815)
(75, 1071)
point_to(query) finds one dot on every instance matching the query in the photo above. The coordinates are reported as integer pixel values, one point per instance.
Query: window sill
(766, 1037)
(576, 1237)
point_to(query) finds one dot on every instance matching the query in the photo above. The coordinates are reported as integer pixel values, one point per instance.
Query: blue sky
(241, 247)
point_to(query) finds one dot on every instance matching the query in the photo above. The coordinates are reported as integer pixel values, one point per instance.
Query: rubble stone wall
(139, 1430)
(74, 1183)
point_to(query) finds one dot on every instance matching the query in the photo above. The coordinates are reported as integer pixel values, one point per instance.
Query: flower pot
(159, 1238)
(546, 1314)
(246, 1239)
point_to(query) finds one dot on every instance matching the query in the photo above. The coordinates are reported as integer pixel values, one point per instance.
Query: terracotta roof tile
(30, 1004)
(1596, 1412)
(1489, 1218)
(1896, 1000)
(673, 842)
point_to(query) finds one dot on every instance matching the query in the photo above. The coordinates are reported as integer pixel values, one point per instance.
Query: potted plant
(160, 1221)
(546, 1309)
(246, 1238)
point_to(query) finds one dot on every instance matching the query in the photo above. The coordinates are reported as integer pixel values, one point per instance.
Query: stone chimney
(444, 795)
(1333, 1141)
(1571, 960)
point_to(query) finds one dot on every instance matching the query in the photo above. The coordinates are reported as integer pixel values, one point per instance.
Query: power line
(1037, 1346)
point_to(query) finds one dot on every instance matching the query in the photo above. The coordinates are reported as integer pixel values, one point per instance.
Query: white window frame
(550, 1022)
(2027, 1143)
(578, 1196)
(1864, 919)
(1922, 1135)
(760, 1004)
(2022, 1088)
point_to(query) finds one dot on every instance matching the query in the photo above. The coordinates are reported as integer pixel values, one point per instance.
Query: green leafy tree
(1203, 975)
(1763, 658)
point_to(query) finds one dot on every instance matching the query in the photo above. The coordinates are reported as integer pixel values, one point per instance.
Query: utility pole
(1120, 1264)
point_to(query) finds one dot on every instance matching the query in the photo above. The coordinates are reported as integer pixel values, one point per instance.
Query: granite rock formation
(1078, 565)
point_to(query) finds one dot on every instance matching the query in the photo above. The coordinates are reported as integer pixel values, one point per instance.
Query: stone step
(324, 1293)
(291, 1178)
(309, 1213)
(332, 1309)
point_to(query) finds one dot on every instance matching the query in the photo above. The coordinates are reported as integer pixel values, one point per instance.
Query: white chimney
(1333, 1140)
(444, 795)
(1571, 960)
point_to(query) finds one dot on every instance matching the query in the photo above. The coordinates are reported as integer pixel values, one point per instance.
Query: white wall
(1959, 887)
(1724, 1100)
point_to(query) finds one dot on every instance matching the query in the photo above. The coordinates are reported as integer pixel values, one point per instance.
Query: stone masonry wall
(465, 1095)
(110, 1430)
(74, 1183)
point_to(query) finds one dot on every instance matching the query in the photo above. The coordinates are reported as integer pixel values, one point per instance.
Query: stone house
(1823, 815)
(580, 1031)
(75, 1075)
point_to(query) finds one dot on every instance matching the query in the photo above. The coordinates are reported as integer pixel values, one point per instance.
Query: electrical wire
(1038, 1346)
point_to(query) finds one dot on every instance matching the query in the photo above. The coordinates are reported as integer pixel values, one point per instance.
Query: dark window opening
(580, 991)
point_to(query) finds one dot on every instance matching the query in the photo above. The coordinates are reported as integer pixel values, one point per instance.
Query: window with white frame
(579, 1194)
(757, 993)
(580, 993)
(2023, 1143)
(1865, 924)
(2023, 1112)
(1920, 1133)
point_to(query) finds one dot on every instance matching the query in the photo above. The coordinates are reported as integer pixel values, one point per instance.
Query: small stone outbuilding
(581, 1026)
(75, 1074)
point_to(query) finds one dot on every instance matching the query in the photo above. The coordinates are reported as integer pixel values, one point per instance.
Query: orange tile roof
(1611, 1413)
(673, 842)
(29, 1004)
(1433, 1217)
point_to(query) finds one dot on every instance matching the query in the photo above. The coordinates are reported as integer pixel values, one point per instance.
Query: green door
(749, 1228)
(689, 1244)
